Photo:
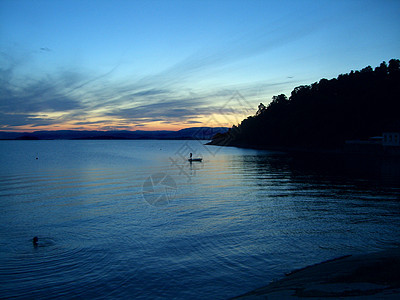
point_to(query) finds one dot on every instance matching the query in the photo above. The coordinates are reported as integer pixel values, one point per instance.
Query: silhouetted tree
(382, 70)
(261, 109)
(394, 67)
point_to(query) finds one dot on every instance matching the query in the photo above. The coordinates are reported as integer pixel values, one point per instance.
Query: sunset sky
(130, 65)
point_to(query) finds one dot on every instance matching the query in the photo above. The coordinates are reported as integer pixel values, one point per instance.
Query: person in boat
(190, 155)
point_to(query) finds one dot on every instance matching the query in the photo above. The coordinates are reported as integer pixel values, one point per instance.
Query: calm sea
(134, 219)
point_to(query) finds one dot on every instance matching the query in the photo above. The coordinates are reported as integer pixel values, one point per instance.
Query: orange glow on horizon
(97, 125)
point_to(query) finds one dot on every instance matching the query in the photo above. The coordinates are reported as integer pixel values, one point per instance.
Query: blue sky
(104, 65)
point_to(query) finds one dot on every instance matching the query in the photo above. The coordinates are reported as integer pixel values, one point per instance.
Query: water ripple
(244, 217)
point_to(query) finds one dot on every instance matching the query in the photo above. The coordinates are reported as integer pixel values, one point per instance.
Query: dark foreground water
(133, 219)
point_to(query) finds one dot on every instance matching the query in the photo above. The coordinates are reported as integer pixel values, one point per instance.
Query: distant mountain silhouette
(325, 114)
(200, 133)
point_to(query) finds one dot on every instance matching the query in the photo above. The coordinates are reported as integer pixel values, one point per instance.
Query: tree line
(356, 105)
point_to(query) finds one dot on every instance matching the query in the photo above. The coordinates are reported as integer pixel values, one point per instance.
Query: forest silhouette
(357, 105)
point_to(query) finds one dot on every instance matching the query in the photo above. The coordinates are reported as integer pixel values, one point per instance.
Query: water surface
(230, 224)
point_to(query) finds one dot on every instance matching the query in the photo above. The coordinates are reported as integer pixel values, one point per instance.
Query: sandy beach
(366, 276)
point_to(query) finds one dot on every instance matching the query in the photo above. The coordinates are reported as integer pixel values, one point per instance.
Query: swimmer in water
(35, 241)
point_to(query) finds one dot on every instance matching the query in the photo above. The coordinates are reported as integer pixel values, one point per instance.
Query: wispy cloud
(170, 96)
(9, 120)
(179, 109)
(45, 49)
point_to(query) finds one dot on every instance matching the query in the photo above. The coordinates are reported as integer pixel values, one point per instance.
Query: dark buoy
(35, 241)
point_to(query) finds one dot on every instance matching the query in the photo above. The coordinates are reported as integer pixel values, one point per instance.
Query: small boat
(195, 159)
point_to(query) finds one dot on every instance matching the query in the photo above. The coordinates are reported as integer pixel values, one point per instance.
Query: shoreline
(368, 276)
(380, 151)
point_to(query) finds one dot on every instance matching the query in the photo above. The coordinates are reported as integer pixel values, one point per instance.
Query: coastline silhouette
(354, 106)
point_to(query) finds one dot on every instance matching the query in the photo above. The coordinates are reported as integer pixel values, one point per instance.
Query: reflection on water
(236, 221)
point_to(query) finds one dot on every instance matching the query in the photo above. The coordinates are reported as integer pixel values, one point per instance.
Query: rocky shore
(367, 276)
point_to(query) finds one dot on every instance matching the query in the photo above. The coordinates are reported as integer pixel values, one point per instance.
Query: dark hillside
(357, 105)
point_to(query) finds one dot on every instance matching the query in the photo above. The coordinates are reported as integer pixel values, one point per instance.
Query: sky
(168, 65)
